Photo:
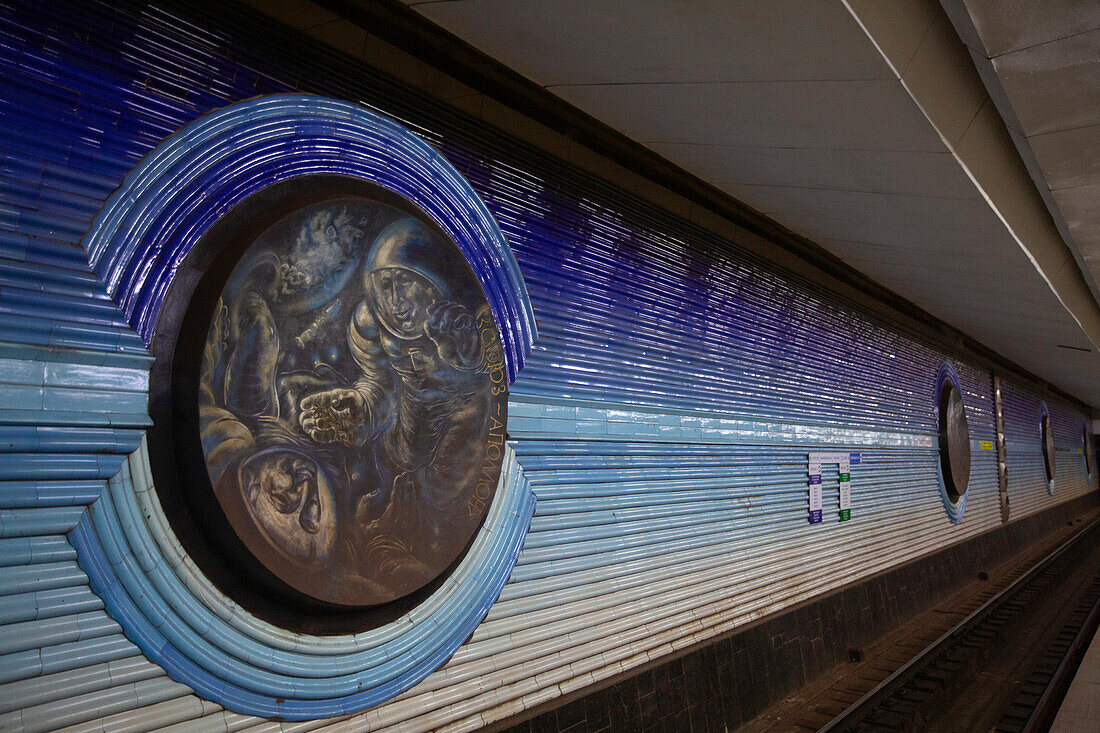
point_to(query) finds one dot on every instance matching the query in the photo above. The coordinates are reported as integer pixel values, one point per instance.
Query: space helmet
(409, 244)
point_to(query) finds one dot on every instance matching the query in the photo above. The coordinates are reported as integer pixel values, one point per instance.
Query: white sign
(843, 462)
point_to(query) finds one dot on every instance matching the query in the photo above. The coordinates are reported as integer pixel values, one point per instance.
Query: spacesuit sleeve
(224, 439)
(375, 382)
(212, 371)
(250, 372)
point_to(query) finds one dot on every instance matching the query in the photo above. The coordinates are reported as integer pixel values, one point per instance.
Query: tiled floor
(1080, 710)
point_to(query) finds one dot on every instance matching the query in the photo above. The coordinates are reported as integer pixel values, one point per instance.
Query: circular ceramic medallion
(954, 441)
(1046, 440)
(350, 391)
(1086, 448)
(172, 246)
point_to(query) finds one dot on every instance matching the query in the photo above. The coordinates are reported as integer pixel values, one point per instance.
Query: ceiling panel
(1068, 157)
(861, 206)
(844, 115)
(1009, 25)
(927, 173)
(1046, 84)
(1080, 203)
(556, 42)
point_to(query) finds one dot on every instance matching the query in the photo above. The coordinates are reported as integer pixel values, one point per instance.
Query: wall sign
(843, 462)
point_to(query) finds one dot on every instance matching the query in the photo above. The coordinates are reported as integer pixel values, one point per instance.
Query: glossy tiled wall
(662, 419)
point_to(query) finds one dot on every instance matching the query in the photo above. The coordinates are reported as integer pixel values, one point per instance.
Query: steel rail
(862, 707)
(1042, 716)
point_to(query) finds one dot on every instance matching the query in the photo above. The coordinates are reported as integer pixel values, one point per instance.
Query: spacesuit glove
(454, 332)
(335, 416)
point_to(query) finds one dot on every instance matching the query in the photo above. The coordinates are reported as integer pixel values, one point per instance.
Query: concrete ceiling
(1041, 65)
(865, 126)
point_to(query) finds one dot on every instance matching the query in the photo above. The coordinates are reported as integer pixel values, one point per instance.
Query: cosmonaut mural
(347, 401)
(324, 499)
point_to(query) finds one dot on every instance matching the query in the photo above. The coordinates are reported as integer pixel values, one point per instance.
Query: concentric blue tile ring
(1044, 414)
(136, 244)
(225, 663)
(957, 508)
(165, 205)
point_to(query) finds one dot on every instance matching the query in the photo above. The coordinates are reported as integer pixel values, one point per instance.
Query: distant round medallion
(1086, 448)
(954, 441)
(1046, 440)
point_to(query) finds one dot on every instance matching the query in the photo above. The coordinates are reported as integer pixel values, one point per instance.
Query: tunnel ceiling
(865, 127)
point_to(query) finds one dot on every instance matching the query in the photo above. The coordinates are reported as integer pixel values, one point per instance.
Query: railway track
(1006, 665)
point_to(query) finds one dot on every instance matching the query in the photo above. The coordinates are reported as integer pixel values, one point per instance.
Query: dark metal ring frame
(1087, 447)
(954, 502)
(175, 451)
(131, 552)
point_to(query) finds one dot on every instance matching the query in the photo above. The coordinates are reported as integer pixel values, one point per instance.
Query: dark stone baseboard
(729, 680)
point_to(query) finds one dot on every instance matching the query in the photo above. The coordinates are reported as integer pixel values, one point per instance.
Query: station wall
(662, 420)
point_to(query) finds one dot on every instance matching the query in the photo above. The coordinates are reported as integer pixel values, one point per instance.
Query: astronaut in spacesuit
(422, 398)
(252, 455)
